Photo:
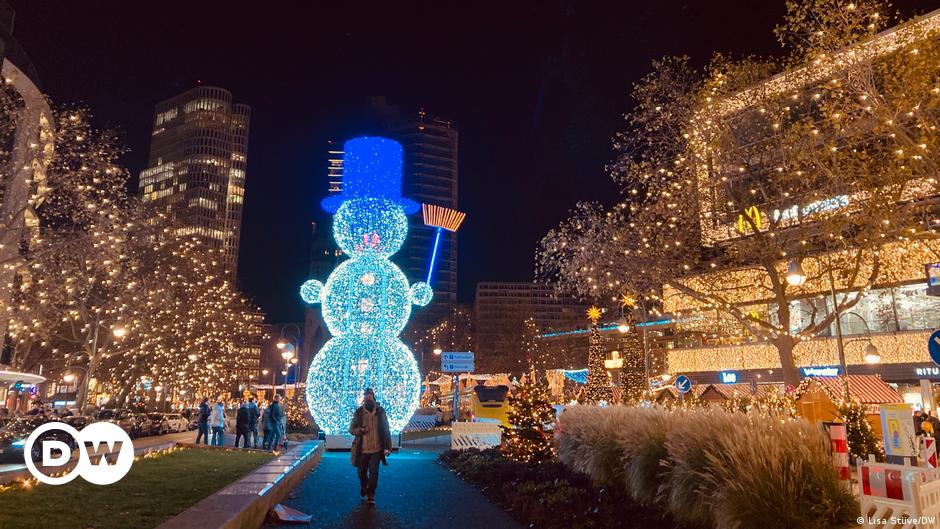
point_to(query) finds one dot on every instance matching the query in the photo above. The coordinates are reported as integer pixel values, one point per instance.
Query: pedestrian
(242, 429)
(203, 424)
(253, 415)
(274, 418)
(266, 428)
(919, 417)
(933, 421)
(66, 412)
(282, 428)
(36, 409)
(372, 443)
(217, 423)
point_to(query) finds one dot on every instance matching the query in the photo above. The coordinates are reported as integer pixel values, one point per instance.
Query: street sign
(933, 347)
(457, 362)
(683, 384)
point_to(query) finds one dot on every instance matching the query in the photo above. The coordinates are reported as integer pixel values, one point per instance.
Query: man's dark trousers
(369, 471)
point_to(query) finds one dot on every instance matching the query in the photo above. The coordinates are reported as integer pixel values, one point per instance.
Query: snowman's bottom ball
(345, 366)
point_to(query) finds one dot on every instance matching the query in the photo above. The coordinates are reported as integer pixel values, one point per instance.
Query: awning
(868, 389)
(16, 376)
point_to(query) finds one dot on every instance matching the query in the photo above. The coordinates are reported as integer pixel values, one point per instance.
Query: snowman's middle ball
(366, 295)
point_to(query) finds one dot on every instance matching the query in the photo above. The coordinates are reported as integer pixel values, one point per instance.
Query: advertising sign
(897, 426)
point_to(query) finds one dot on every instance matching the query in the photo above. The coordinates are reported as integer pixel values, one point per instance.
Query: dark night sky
(537, 90)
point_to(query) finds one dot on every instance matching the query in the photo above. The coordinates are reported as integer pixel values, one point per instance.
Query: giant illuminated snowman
(367, 299)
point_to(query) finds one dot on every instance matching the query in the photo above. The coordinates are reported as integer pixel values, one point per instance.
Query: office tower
(196, 171)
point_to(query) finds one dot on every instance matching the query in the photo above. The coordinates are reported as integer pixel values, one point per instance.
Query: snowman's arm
(312, 291)
(421, 293)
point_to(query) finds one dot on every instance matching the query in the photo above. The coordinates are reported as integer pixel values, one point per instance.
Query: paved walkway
(414, 492)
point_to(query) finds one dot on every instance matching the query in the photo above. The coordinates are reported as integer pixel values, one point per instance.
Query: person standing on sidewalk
(203, 423)
(274, 419)
(242, 428)
(372, 443)
(253, 415)
(217, 423)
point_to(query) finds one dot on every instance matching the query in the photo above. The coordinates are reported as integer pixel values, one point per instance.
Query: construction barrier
(421, 422)
(840, 451)
(475, 435)
(898, 496)
(928, 451)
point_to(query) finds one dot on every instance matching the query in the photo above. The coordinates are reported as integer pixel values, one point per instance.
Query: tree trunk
(791, 375)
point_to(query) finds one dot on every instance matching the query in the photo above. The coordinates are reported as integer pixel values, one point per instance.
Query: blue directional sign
(933, 346)
(459, 362)
(683, 384)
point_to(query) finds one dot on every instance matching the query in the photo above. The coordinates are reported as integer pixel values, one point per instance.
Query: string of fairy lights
(731, 176)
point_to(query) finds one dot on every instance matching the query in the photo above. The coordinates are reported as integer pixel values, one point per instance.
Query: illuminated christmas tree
(526, 440)
(858, 433)
(598, 379)
(633, 382)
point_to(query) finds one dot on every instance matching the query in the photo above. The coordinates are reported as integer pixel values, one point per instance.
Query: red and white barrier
(840, 451)
(898, 494)
(928, 451)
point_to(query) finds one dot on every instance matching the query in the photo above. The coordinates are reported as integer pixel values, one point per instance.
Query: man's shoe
(362, 492)
(371, 499)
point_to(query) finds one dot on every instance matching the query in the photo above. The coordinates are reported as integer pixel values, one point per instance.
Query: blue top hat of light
(371, 169)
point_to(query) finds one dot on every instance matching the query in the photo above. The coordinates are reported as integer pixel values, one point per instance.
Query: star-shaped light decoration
(594, 313)
(626, 300)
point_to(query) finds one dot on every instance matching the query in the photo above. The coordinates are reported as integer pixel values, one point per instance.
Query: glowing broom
(443, 219)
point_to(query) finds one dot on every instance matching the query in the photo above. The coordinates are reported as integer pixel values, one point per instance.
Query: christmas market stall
(818, 398)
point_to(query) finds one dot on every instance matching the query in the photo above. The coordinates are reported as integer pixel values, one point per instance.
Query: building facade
(196, 170)
(502, 309)
(896, 314)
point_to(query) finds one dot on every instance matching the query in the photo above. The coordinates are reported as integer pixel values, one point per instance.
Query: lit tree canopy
(731, 173)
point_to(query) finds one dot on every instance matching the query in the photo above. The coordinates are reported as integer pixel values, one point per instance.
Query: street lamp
(623, 326)
(438, 351)
(871, 354)
(795, 275)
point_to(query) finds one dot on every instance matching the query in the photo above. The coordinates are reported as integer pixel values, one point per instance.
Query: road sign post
(683, 385)
(456, 363)
(933, 347)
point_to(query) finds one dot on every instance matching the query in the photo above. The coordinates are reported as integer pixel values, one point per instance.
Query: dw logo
(99, 437)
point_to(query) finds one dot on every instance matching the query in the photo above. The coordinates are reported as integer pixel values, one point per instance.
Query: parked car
(78, 421)
(177, 422)
(156, 424)
(129, 421)
(13, 438)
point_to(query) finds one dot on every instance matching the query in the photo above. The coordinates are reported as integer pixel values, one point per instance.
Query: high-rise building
(429, 177)
(196, 172)
(502, 309)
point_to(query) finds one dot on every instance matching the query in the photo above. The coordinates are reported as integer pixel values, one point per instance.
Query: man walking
(373, 442)
(203, 422)
(253, 415)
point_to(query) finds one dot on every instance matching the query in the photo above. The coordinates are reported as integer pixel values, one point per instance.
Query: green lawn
(155, 490)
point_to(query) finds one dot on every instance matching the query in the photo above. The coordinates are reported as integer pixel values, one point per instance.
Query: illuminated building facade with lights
(894, 317)
(196, 170)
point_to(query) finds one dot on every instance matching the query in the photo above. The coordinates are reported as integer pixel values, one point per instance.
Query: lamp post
(264, 372)
(287, 354)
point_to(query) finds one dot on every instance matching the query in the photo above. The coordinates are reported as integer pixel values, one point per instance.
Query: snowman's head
(370, 226)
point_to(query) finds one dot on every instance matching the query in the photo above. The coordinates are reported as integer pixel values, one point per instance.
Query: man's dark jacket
(355, 428)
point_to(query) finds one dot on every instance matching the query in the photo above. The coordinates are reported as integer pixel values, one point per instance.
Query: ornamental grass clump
(589, 442)
(643, 451)
(684, 492)
(709, 467)
(775, 473)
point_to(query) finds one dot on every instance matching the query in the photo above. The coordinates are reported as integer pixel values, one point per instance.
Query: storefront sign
(728, 377)
(929, 371)
(820, 371)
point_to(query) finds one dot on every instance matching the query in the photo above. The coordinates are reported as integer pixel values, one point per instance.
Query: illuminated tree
(598, 388)
(526, 440)
(731, 180)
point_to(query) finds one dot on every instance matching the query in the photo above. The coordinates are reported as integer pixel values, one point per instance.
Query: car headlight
(19, 443)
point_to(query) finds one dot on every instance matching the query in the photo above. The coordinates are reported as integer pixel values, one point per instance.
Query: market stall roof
(868, 389)
(16, 376)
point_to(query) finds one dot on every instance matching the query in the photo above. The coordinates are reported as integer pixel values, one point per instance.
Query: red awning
(868, 389)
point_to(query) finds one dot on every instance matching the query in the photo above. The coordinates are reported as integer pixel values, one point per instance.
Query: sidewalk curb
(245, 503)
